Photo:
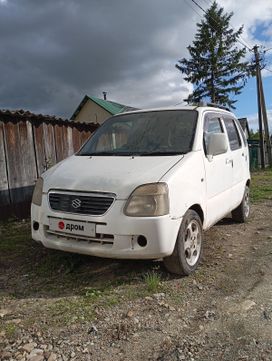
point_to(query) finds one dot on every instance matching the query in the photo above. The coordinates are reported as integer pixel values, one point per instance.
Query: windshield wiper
(97, 153)
(154, 153)
(116, 154)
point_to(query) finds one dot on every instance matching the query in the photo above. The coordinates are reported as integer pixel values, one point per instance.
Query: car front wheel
(189, 246)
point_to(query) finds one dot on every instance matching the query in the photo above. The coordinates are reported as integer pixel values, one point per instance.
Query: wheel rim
(192, 242)
(246, 203)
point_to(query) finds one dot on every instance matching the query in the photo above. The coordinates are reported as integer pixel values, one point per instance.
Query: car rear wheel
(242, 212)
(189, 246)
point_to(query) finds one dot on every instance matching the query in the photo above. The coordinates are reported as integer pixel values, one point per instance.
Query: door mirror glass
(217, 143)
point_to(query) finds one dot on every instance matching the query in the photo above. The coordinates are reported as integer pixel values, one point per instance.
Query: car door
(238, 158)
(219, 173)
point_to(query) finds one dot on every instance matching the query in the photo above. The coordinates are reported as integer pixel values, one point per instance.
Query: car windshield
(166, 132)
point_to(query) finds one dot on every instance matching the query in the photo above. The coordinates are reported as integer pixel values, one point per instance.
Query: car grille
(95, 205)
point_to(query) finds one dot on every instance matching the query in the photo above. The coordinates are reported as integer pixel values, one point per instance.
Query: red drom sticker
(61, 225)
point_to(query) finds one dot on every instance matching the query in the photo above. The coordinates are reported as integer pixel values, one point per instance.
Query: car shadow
(226, 221)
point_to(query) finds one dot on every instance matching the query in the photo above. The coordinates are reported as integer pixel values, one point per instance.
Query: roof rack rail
(218, 106)
(214, 105)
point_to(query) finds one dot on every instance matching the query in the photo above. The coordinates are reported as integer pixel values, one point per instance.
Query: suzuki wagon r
(145, 186)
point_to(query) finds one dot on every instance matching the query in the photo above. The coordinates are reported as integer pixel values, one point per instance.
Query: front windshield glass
(166, 132)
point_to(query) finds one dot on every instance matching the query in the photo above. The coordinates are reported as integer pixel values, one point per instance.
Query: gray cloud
(54, 52)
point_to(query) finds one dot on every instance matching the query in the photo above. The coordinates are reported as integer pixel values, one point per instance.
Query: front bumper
(116, 233)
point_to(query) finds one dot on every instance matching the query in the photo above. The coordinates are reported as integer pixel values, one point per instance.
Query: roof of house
(111, 107)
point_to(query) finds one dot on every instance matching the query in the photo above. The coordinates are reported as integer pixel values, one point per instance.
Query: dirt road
(67, 307)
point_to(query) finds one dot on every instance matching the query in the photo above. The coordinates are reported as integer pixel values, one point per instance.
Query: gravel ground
(56, 306)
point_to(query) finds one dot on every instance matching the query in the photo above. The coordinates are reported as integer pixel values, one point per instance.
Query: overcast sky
(54, 52)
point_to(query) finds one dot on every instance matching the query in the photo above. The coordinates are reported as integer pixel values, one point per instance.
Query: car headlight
(148, 200)
(37, 194)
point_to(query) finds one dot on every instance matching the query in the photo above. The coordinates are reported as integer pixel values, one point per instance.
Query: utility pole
(266, 127)
(260, 103)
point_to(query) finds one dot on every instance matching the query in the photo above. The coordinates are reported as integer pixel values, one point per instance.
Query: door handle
(229, 161)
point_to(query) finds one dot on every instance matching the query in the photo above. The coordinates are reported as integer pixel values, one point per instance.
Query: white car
(145, 186)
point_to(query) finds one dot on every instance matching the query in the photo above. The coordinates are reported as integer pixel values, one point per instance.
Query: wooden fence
(30, 144)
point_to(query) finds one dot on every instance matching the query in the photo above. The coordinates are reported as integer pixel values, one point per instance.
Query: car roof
(200, 109)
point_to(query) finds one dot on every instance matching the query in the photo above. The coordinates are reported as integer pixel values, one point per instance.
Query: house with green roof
(96, 110)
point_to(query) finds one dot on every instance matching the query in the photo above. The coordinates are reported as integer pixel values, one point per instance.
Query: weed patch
(9, 329)
(152, 280)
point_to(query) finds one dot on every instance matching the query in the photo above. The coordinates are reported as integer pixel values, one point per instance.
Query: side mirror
(217, 143)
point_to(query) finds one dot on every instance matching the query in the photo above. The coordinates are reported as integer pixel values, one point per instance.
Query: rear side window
(233, 135)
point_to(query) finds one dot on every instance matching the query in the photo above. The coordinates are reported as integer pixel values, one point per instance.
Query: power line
(242, 41)
(201, 8)
(266, 50)
(209, 3)
(182, 102)
(267, 69)
(193, 8)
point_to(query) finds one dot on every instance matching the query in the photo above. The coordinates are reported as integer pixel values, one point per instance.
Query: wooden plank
(4, 189)
(27, 154)
(70, 143)
(12, 145)
(3, 169)
(58, 142)
(76, 139)
(65, 142)
(21, 165)
(39, 147)
(49, 145)
(61, 142)
(85, 134)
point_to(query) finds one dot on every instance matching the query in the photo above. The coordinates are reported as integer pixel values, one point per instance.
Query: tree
(254, 135)
(215, 67)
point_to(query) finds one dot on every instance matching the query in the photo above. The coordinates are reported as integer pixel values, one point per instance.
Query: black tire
(242, 212)
(184, 261)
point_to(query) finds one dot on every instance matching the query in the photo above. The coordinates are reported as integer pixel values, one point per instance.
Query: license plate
(72, 227)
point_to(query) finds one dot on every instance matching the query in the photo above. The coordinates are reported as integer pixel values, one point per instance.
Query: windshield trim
(133, 154)
(140, 113)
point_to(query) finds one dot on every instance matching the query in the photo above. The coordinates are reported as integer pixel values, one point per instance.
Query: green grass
(13, 236)
(9, 329)
(152, 280)
(70, 310)
(261, 185)
(93, 293)
(80, 308)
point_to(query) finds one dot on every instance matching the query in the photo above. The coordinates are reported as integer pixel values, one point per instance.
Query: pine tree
(215, 67)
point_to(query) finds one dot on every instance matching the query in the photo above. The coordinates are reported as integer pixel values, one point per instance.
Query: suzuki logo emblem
(76, 203)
